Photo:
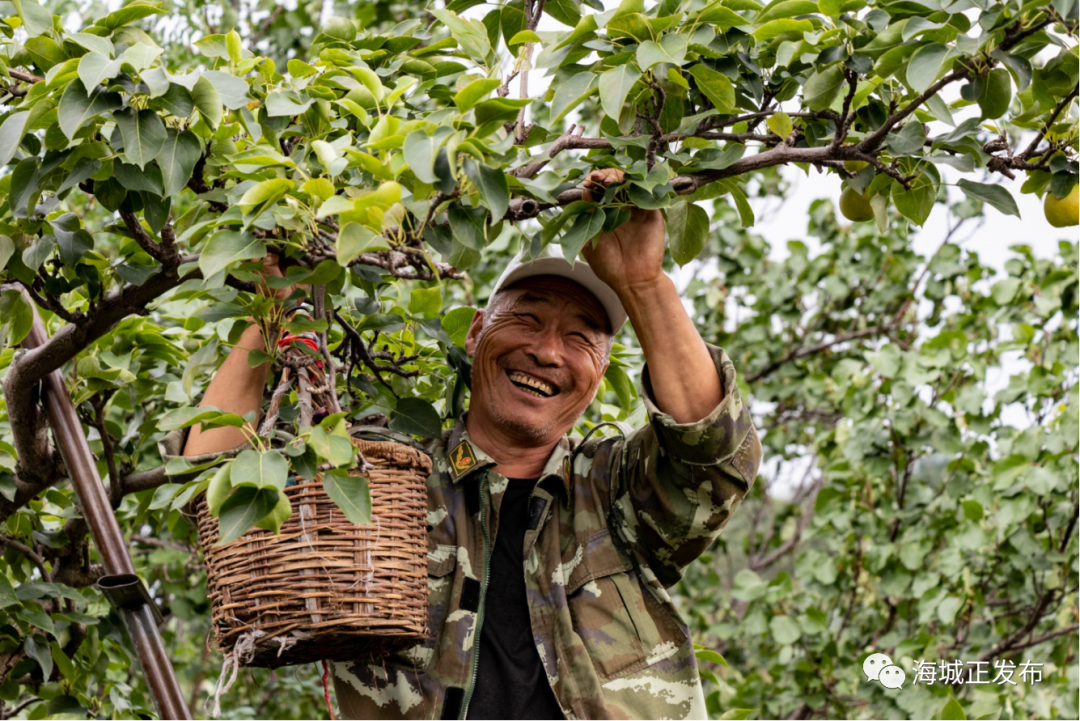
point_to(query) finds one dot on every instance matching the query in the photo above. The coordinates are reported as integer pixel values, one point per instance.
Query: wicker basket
(323, 588)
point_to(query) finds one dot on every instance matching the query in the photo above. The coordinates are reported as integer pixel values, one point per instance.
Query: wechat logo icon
(879, 667)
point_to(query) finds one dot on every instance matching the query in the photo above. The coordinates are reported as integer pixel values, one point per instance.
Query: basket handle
(378, 433)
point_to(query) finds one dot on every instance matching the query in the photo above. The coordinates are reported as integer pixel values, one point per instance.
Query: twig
(303, 397)
(320, 306)
(872, 141)
(30, 553)
(264, 26)
(24, 76)
(275, 402)
(1065, 102)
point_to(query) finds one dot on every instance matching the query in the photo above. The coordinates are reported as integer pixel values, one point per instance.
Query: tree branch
(30, 553)
(1065, 102)
(872, 141)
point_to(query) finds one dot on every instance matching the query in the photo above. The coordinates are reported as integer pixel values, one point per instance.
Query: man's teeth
(534, 385)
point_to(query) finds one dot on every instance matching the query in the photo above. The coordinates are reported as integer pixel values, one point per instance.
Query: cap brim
(580, 273)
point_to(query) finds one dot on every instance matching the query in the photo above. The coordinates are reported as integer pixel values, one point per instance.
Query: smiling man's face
(538, 356)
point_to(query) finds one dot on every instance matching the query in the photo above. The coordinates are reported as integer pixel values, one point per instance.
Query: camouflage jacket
(612, 523)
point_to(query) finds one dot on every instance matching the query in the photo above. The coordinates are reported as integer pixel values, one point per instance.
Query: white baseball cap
(580, 272)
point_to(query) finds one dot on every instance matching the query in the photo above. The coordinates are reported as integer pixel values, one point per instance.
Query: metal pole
(121, 586)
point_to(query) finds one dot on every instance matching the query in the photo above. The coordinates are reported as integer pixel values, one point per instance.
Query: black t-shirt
(510, 682)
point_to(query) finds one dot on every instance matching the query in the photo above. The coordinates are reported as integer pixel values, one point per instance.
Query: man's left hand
(632, 254)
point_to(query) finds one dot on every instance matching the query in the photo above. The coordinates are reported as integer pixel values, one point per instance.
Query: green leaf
(76, 107)
(780, 123)
(227, 247)
(671, 49)
(785, 631)
(351, 495)
(418, 417)
(176, 100)
(207, 100)
(262, 195)
(822, 88)
(742, 204)
(738, 714)
(568, 12)
(714, 86)
(471, 35)
(1004, 291)
(333, 446)
(909, 140)
(996, 95)
(924, 66)
(71, 239)
(354, 239)
(235, 49)
(219, 488)
(492, 184)
(232, 91)
(37, 648)
(787, 9)
(524, 36)
(243, 510)
(267, 469)
(586, 226)
(425, 301)
(995, 195)
(95, 67)
(776, 28)
(281, 103)
(128, 14)
(188, 416)
(213, 46)
(466, 227)
(278, 515)
(973, 510)
(725, 18)
(11, 134)
(707, 654)
(570, 93)
(582, 28)
(952, 711)
(474, 92)
(688, 229)
(177, 160)
(17, 317)
(7, 249)
(36, 21)
(915, 204)
(143, 133)
(948, 608)
(420, 150)
(456, 324)
(615, 85)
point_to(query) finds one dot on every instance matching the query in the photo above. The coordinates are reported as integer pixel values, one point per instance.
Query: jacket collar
(463, 458)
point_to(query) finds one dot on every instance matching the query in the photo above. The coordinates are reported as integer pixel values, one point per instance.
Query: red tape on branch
(309, 342)
(326, 687)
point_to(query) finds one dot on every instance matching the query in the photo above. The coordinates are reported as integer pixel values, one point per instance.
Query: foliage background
(932, 510)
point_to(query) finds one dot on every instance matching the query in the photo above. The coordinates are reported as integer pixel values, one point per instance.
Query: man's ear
(473, 336)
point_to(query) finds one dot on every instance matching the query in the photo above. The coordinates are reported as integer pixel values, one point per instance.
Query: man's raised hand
(633, 253)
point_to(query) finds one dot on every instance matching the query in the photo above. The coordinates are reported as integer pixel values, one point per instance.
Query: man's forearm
(236, 388)
(685, 383)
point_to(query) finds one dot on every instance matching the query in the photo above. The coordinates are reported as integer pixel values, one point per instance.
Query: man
(549, 558)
